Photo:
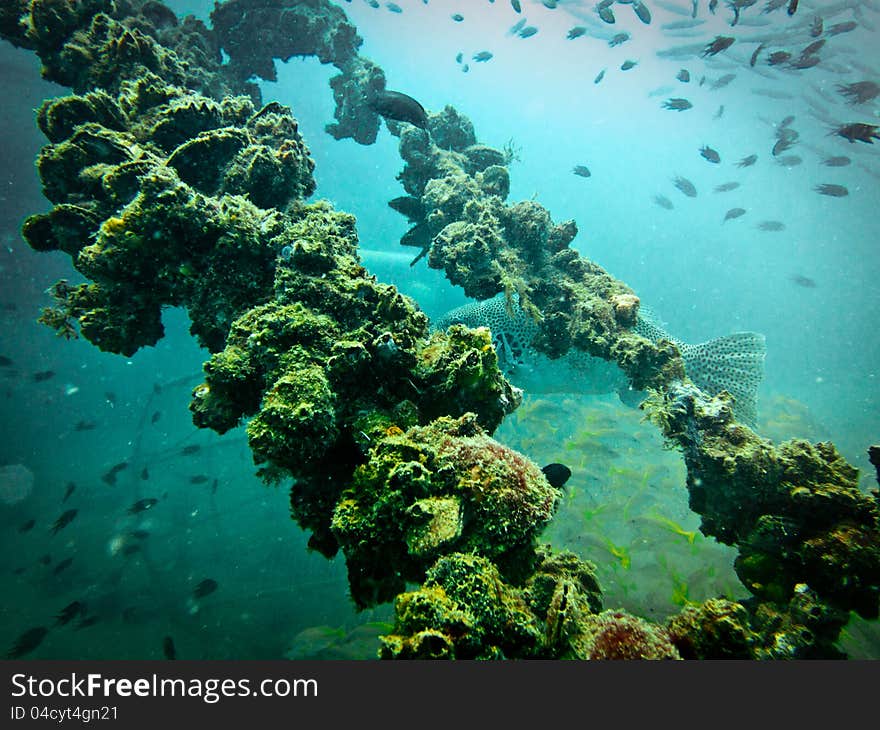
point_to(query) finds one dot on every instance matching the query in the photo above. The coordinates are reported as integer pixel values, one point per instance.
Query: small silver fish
(834, 191)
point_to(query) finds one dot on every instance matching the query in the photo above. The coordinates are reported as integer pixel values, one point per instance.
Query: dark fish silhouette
(515, 4)
(805, 62)
(156, 416)
(27, 642)
(409, 206)
(771, 226)
(168, 648)
(792, 7)
(62, 566)
(198, 479)
(684, 76)
(685, 185)
(109, 477)
(528, 31)
(576, 32)
(860, 91)
(581, 170)
(834, 191)
(663, 202)
(722, 81)
(63, 521)
(813, 47)
(142, 505)
(844, 27)
(482, 56)
(733, 213)
(777, 57)
(707, 153)
(783, 144)
(5, 362)
(399, 107)
(68, 490)
(394, 7)
(677, 104)
(803, 281)
(757, 52)
(715, 47)
(190, 450)
(789, 160)
(27, 526)
(43, 375)
(599, 76)
(70, 612)
(726, 187)
(747, 161)
(628, 64)
(605, 12)
(85, 426)
(140, 534)
(145, 474)
(618, 39)
(858, 132)
(205, 588)
(557, 474)
(839, 161)
(642, 12)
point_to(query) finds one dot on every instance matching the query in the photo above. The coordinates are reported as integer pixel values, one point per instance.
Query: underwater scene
(461, 329)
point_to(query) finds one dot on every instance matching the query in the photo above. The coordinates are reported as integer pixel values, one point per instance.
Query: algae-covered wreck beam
(805, 533)
(794, 511)
(163, 195)
(456, 190)
(256, 32)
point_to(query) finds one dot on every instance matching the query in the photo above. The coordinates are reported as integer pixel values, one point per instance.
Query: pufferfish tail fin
(734, 363)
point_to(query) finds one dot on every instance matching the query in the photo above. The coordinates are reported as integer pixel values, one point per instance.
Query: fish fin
(734, 363)
(420, 256)
(629, 396)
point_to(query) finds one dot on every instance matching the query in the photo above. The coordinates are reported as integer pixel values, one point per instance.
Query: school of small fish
(760, 40)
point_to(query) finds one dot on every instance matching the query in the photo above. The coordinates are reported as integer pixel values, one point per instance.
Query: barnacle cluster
(164, 197)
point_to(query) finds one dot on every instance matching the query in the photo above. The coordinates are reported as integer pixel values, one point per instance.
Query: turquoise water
(704, 277)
